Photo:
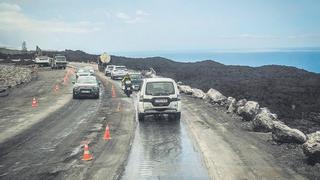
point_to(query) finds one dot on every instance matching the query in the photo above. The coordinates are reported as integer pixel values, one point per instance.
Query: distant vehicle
(118, 72)
(58, 62)
(136, 80)
(108, 69)
(89, 69)
(86, 86)
(159, 96)
(83, 72)
(42, 61)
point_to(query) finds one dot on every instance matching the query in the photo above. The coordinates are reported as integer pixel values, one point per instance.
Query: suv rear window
(159, 88)
(87, 80)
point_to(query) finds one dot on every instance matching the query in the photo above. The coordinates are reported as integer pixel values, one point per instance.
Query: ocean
(307, 60)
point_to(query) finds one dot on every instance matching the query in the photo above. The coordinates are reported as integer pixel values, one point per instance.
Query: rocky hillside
(288, 91)
(76, 56)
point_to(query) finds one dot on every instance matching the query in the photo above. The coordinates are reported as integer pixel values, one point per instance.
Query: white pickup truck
(42, 60)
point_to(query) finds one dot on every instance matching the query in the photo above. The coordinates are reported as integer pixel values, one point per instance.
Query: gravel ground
(286, 158)
(51, 147)
(285, 155)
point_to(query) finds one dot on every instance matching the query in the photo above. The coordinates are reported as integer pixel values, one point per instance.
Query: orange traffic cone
(86, 153)
(113, 92)
(107, 134)
(72, 71)
(34, 102)
(56, 88)
(65, 80)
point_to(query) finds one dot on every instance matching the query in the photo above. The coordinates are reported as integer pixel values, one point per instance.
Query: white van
(159, 96)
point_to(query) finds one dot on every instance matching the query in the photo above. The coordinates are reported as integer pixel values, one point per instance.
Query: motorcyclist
(127, 86)
(125, 78)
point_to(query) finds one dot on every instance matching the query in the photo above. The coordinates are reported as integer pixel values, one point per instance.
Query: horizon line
(231, 50)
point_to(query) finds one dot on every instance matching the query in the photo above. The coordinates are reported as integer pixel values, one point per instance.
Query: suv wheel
(140, 116)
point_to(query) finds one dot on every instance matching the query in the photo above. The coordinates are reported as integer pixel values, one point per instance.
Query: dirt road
(47, 142)
(51, 147)
(16, 112)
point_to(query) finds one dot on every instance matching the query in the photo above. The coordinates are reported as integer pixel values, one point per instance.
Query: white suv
(108, 70)
(159, 96)
(118, 72)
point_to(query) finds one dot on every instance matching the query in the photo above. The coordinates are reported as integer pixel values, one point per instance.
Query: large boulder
(241, 102)
(198, 93)
(249, 110)
(151, 73)
(229, 100)
(216, 97)
(186, 89)
(311, 148)
(263, 121)
(284, 134)
(231, 105)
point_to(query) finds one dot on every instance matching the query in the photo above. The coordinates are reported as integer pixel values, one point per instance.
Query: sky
(97, 26)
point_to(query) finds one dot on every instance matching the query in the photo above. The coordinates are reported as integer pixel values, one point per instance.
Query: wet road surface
(162, 149)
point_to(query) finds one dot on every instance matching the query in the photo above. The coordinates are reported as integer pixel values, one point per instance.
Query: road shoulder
(228, 151)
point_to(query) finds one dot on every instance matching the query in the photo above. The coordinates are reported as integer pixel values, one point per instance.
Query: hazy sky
(152, 25)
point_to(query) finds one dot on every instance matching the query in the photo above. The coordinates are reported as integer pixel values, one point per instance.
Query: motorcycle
(128, 88)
